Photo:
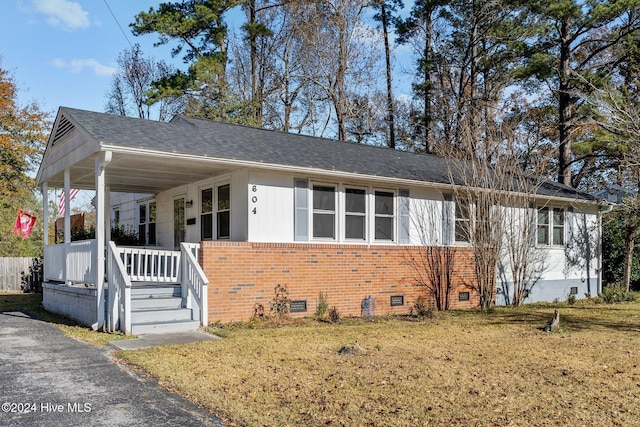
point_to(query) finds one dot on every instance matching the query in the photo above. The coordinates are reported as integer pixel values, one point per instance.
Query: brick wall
(242, 274)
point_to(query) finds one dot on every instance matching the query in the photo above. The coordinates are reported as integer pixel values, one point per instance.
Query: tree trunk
(628, 256)
(256, 96)
(428, 142)
(565, 107)
(391, 142)
(340, 92)
(554, 323)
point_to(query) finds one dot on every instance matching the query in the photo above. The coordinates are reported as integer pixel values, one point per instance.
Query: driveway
(48, 379)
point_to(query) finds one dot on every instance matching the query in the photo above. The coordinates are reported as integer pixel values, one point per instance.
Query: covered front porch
(96, 282)
(145, 290)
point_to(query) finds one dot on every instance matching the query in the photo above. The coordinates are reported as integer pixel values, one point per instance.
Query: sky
(64, 52)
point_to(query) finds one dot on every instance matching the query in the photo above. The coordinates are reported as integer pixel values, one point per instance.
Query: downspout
(102, 160)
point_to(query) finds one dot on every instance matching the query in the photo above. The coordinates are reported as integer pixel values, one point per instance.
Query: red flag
(72, 193)
(24, 224)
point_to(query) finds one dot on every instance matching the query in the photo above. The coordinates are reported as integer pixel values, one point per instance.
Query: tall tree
(132, 83)
(575, 38)
(23, 133)
(199, 29)
(619, 116)
(384, 14)
(418, 29)
(341, 58)
(288, 101)
(255, 30)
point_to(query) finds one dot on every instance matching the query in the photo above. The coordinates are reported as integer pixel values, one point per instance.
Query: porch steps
(158, 308)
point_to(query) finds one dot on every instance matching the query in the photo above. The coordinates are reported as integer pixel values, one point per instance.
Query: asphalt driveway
(48, 379)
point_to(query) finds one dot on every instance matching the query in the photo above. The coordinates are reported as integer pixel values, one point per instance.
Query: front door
(179, 227)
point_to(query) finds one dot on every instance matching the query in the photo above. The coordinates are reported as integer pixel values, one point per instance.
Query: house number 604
(254, 199)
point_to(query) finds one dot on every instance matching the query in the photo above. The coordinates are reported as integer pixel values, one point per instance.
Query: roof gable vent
(65, 127)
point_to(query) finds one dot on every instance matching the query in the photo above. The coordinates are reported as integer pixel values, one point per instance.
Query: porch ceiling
(136, 173)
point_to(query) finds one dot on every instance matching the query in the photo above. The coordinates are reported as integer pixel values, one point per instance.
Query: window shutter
(532, 217)
(301, 210)
(447, 219)
(404, 220)
(568, 223)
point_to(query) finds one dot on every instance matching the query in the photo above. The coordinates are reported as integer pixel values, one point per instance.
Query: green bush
(616, 293)
(323, 306)
(571, 299)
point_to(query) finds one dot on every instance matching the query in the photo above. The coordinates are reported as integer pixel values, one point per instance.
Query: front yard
(459, 368)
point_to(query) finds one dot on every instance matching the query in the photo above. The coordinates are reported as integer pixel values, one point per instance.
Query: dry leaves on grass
(462, 368)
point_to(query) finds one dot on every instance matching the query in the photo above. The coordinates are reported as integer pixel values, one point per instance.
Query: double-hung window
(223, 209)
(462, 221)
(216, 206)
(115, 215)
(355, 221)
(206, 214)
(324, 212)
(384, 215)
(147, 222)
(551, 226)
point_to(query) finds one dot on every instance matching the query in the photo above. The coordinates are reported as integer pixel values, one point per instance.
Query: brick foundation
(242, 274)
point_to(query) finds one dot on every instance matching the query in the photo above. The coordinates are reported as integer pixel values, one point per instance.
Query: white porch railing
(194, 282)
(119, 302)
(76, 258)
(126, 265)
(194, 248)
(150, 265)
(55, 258)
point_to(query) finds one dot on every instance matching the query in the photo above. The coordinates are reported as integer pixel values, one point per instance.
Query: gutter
(322, 172)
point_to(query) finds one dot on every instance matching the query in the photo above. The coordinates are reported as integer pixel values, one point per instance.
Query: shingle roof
(199, 137)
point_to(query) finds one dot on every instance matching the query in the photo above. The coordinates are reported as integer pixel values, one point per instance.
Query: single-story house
(229, 212)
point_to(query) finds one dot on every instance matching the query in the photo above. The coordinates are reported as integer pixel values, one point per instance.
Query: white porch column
(67, 210)
(45, 213)
(67, 222)
(107, 213)
(102, 160)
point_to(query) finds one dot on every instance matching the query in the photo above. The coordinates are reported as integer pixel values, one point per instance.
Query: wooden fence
(20, 274)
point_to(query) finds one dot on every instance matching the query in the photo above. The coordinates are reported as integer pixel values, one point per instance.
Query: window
(384, 215)
(116, 218)
(324, 212)
(550, 226)
(355, 214)
(462, 221)
(223, 211)
(463, 296)
(179, 229)
(206, 214)
(147, 222)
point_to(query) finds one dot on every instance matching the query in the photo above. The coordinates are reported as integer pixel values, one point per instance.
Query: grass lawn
(459, 368)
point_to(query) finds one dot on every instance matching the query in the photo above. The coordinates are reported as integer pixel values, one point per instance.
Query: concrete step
(162, 328)
(163, 315)
(145, 303)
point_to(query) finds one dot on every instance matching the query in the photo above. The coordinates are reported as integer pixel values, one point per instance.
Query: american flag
(72, 193)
